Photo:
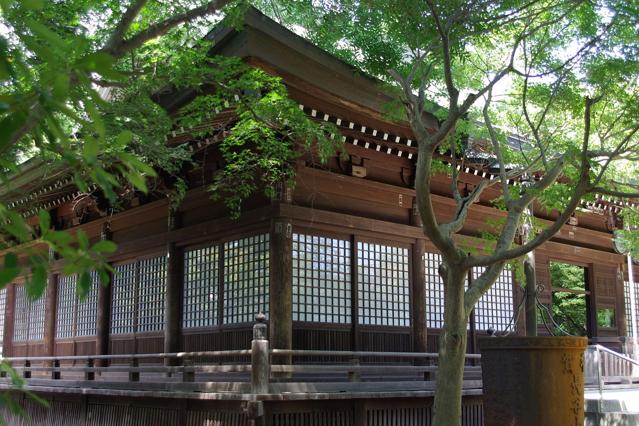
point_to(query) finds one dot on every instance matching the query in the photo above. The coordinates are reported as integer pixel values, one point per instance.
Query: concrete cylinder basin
(533, 381)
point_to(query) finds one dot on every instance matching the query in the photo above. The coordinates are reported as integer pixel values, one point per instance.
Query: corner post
(281, 277)
(103, 316)
(173, 299)
(418, 296)
(9, 315)
(260, 367)
(50, 310)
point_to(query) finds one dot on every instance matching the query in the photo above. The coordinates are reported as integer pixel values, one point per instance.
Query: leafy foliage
(569, 309)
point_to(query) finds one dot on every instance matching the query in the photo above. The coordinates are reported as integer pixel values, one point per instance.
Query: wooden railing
(605, 368)
(261, 370)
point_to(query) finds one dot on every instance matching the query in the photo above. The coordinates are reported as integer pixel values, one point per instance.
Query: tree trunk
(452, 350)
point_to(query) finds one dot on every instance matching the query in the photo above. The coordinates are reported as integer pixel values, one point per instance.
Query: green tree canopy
(547, 88)
(79, 90)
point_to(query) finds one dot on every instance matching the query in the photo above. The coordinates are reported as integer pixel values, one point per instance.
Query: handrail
(362, 354)
(202, 354)
(615, 354)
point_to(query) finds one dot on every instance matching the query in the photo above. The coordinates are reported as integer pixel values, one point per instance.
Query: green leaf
(124, 138)
(8, 126)
(138, 181)
(44, 33)
(104, 277)
(45, 221)
(84, 284)
(61, 86)
(90, 150)
(83, 239)
(38, 281)
(60, 238)
(105, 246)
(10, 270)
(33, 4)
(101, 63)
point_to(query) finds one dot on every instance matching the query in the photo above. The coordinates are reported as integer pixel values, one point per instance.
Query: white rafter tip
(397, 139)
(374, 132)
(313, 113)
(410, 155)
(338, 121)
(385, 137)
(325, 117)
(351, 125)
(366, 145)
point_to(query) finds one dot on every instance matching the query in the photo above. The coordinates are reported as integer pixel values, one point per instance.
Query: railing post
(260, 367)
(27, 373)
(134, 376)
(89, 374)
(55, 370)
(188, 373)
(599, 378)
(354, 375)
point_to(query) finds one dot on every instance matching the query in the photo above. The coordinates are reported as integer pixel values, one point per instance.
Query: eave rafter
(216, 127)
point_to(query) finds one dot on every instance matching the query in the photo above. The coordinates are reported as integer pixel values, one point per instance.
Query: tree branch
(125, 23)
(160, 28)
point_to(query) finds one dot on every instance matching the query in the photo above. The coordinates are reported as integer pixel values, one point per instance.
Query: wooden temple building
(336, 263)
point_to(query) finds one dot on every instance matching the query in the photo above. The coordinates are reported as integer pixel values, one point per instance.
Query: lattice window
(321, 279)
(3, 307)
(201, 279)
(86, 321)
(36, 317)
(383, 292)
(434, 291)
(151, 292)
(21, 321)
(626, 293)
(246, 278)
(66, 306)
(495, 308)
(124, 298)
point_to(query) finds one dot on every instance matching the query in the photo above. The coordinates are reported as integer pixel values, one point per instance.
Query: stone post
(260, 367)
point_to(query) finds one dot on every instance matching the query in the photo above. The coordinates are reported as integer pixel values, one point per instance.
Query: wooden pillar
(50, 312)
(621, 316)
(281, 284)
(355, 337)
(418, 301)
(590, 277)
(418, 294)
(472, 340)
(281, 276)
(9, 316)
(173, 299)
(103, 315)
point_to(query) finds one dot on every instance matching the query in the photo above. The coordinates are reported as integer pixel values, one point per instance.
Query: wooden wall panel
(321, 338)
(236, 338)
(381, 340)
(119, 345)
